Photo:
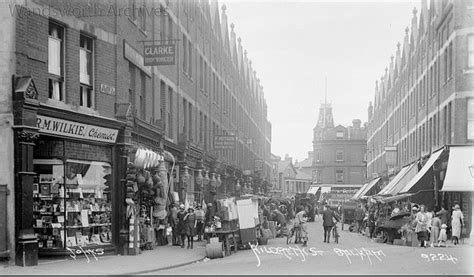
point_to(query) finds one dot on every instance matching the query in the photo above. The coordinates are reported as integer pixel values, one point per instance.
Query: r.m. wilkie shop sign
(60, 127)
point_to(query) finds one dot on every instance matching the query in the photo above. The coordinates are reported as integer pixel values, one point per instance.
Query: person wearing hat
(181, 228)
(173, 220)
(200, 217)
(422, 226)
(443, 237)
(457, 220)
(190, 220)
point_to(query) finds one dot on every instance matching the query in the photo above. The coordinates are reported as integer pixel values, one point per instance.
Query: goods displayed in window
(72, 203)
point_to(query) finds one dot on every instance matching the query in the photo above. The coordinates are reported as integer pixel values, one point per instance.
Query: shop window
(56, 61)
(86, 75)
(72, 204)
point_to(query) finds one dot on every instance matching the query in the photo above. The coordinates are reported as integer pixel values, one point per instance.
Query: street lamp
(199, 182)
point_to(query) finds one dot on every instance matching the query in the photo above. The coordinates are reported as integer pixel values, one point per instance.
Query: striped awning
(433, 158)
(460, 171)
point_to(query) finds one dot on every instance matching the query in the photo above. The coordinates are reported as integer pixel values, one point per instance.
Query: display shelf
(48, 227)
(90, 225)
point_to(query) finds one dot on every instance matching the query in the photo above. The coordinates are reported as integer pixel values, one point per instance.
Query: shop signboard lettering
(258, 165)
(159, 54)
(224, 142)
(55, 126)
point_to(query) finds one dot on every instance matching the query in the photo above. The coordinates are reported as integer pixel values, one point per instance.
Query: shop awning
(395, 198)
(395, 180)
(410, 173)
(365, 189)
(359, 192)
(323, 191)
(422, 172)
(460, 171)
(313, 190)
(370, 185)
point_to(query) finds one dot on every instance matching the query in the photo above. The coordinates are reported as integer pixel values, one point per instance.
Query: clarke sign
(159, 54)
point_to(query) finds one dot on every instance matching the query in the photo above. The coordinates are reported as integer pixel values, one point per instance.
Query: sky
(294, 45)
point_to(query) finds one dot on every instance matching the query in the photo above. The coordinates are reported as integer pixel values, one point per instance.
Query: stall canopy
(323, 191)
(410, 185)
(366, 188)
(395, 180)
(460, 171)
(313, 189)
(404, 180)
(358, 193)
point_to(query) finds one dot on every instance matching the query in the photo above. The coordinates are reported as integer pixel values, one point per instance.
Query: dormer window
(339, 135)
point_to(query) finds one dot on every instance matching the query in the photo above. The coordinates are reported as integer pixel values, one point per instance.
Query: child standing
(443, 237)
(191, 222)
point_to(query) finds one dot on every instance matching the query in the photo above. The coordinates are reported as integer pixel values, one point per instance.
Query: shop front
(65, 166)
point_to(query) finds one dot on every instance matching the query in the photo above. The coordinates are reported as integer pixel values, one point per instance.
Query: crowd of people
(433, 228)
(292, 222)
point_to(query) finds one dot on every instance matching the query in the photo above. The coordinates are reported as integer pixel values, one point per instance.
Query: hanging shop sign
(259, 165)
(224, 142)
(163, 54)
(60, 127)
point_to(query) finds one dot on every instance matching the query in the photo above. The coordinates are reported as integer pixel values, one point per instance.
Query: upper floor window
(339, 155)
(339, 176)
(56, 61)
(339, 135)
(470, 47)
(470, 119)
(86, 68)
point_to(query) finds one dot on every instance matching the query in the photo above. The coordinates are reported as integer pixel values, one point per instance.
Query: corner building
(81, 102)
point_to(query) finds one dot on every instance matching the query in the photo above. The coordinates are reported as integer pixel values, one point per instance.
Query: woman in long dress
(457, 219)
(421, 226)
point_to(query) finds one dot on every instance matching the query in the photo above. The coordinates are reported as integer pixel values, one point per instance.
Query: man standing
(173, 221)
(300, 220)
(359, 217)
(328, 222)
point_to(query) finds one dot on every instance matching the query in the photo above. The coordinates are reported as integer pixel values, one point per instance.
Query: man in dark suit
(328, 223)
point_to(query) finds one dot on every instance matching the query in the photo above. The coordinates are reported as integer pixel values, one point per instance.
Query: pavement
(160, 258)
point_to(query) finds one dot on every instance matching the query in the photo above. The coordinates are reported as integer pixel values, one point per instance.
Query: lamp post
(199, 182)
(184, 181)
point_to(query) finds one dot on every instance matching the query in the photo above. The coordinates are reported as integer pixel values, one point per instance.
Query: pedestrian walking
(371, 223)
(421, 226)
(190, 221)
(328, 222)
(435, 228)
(457, 220)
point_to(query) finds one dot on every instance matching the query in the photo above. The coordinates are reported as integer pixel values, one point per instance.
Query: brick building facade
(338, 154)
(76, 62)
(423, 110)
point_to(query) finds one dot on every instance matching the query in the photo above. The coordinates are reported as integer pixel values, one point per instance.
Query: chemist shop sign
(66, 128)
(163, 54)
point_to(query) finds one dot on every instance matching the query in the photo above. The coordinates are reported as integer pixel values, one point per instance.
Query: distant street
(363, 257)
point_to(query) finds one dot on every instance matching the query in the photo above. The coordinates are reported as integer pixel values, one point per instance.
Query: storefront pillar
(27, 244)
(120, 207)
(25, 105)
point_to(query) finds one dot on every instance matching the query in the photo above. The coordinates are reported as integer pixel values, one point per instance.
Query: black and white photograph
(236, 137)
